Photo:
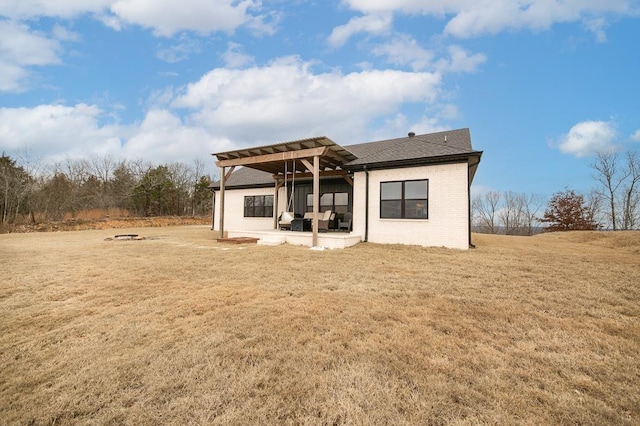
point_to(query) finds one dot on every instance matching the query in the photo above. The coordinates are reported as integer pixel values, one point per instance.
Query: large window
(335, 201)
(258, 206)
(407, 199)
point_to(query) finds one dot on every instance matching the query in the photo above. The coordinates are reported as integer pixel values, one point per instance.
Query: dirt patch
(238, 240)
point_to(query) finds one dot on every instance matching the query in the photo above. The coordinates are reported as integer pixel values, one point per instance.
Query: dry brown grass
(105, 222)
(179, 329)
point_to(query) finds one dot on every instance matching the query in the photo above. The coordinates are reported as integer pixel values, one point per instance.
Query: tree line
(614, 203)
(28, 193)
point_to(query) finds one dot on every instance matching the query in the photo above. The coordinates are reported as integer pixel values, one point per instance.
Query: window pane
(268, 200)
(248, 206)
(341, 199)
(259, 211)
(416, 209)
(391, 209)
(268, 210)
(326, 201)
(415, 189)
(391, 191)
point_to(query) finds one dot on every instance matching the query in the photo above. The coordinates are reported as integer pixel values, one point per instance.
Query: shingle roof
(418, 147)
(246, 177)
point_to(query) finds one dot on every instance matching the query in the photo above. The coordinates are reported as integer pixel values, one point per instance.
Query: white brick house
(410, 190)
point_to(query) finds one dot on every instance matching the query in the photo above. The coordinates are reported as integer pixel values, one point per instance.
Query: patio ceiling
(275, 159)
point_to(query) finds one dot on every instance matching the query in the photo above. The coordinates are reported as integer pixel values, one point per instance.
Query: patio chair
(323, 221)
(345, 222)
(284, 223)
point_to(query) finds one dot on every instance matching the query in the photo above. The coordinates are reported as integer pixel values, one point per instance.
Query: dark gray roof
(451, 145)
(246, 177)
(448, 144)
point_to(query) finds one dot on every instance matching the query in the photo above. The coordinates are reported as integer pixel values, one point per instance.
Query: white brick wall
(448, 222)
(234, 210)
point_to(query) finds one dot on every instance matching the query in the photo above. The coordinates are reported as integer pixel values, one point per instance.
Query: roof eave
(451, 158)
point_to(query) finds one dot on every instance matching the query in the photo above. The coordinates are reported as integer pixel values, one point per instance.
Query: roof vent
(411, 134)
(445, 138)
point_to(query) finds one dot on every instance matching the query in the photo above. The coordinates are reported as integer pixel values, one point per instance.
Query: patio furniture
(284, 223)
(297, 225)
(323, 221)
(345, 222)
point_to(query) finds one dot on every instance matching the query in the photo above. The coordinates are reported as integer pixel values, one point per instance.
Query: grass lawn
(180, 329)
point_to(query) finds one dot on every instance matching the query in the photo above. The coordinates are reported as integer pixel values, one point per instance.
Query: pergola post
(222, 182)
(316, 199)
(276, 191)
(224, 176)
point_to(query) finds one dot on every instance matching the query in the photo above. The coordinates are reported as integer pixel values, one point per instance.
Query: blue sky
(542, 84)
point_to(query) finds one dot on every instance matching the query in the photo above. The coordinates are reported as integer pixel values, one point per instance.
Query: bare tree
(619, 188)
(532, 205)
(511, 213)
(631, 196)
(485, 210)
(606, 167)
(102, 168)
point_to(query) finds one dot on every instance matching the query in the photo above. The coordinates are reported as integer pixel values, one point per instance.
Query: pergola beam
(278, 156)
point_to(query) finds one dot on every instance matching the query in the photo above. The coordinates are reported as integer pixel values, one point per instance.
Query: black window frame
(260, 210)
(402, 206)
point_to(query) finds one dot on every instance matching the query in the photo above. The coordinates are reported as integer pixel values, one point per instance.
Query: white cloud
(235, 57)
(163, 137)
(286, 100)
(54, 129)
(61, 33)
(372, 24)
(460, 60)
(589, 137)
(597, 26)
(28, 9)
(167, 17)
(404, 50)
(163, 17)
(467, 18)
(21, 48)
(636, 136)
(58, 132)
(265, 24)
(180, 51)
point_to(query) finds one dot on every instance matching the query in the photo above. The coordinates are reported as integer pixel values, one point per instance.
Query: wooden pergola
(312, 157)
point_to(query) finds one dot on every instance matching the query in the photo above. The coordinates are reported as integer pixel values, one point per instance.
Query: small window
(404, 199)
(258, 206)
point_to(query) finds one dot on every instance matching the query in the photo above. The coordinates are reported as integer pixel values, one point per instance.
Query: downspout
(366, 205)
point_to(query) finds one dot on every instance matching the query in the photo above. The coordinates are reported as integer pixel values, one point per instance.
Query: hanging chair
(288, 215)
